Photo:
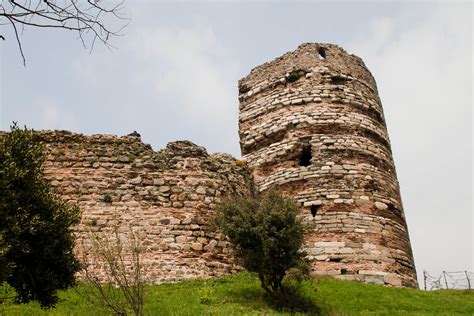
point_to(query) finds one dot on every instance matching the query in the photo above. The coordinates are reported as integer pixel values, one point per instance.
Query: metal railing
(460, 280)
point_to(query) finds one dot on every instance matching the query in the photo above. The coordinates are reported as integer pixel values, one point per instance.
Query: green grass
(241, 295)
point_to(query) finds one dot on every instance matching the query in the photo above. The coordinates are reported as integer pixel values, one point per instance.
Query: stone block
(181, 239)
(329, 244)
(321, 257)
(393, 280)
(374, 279)
(201, 190)
(196, 246)
(123, 158)
(363, 202)
(381, 206)
(350, 277)
(202, 240)
(158, 181)
(186, 221)
(136, 180)
(164, 189)
(373, 272)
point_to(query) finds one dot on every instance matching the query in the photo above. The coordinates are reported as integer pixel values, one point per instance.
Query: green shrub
(266, 235)
(35, 226)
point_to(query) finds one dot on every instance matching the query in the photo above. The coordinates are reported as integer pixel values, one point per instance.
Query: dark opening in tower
(314, 210)
(339, 80)
(321, 53)
(306, 156)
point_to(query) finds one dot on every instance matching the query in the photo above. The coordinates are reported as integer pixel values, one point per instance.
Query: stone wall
(166, 197)
(311, 124)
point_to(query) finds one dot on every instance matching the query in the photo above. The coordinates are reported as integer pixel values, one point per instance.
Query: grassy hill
(241, 295)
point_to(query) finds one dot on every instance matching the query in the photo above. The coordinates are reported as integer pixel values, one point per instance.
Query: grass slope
(241, 295)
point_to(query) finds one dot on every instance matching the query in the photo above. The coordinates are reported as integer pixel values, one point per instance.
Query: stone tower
(311, 124)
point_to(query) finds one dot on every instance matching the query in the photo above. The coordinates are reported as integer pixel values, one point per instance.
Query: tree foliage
(89, 18)
(36, 224)
(266, 234)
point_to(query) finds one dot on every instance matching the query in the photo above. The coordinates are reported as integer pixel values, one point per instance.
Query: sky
(173, 76)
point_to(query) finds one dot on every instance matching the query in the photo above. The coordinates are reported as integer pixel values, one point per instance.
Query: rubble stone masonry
(311, 124)
(166, 197)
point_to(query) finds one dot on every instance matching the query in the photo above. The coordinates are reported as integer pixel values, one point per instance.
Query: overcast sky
(174, 76)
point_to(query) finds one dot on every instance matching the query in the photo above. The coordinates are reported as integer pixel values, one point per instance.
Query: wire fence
(460, 280)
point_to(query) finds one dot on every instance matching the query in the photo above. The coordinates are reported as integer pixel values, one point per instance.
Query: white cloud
(169, 81)
(382, 30)
(190, 67)
(54, 116)
(422, 62)
(164, 73)
(85, 71)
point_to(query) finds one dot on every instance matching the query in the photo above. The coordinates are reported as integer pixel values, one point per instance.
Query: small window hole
(306, 156)
(321, 53)
(339, 80)
(314, 210)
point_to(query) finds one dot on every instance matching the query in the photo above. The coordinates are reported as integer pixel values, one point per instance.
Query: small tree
(113, 271)
(35, 227)
(266, 235)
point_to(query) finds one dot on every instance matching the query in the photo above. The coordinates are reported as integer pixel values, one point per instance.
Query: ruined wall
(311, 124)
(166, 196)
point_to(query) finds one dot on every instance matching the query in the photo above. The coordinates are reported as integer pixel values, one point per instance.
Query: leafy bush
(266, 235)
(36, 239)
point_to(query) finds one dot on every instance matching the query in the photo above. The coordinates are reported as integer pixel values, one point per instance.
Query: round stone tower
(311, 124)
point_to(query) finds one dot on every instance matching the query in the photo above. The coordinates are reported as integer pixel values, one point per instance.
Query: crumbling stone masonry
(311, 124)
(165, 196)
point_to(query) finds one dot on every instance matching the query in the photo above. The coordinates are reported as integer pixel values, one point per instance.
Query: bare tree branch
(113, 270)
(18, 40)
(91, 19)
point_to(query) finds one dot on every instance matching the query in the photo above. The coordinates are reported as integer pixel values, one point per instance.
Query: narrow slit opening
(321, 53)
(306, 156)
(314, 210)
(339, 80)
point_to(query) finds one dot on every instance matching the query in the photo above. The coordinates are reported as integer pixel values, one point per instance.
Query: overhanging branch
(90, 18)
